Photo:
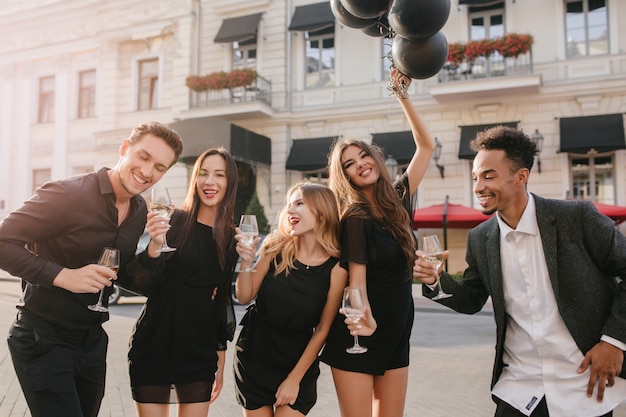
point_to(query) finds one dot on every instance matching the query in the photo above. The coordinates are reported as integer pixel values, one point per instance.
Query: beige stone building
(76, 76)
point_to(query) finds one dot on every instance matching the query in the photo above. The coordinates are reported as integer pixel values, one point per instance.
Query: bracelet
(400, 91)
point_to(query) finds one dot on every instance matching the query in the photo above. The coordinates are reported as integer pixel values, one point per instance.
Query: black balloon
(413, 19)
(419, 58)
(367, 9)
(379, 28)
(347, 18)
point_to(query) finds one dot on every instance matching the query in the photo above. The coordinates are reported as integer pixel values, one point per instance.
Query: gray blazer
(584, 252)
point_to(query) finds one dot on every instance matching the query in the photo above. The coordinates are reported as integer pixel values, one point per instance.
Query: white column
(61, 107)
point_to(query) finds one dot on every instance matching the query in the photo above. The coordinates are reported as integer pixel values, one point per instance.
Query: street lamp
(537, 138)
(437, 155)
(392, 167)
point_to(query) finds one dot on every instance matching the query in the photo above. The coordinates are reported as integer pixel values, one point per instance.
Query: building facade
(76, 76)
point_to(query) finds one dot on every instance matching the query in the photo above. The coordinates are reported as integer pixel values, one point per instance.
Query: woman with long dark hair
(177, 351)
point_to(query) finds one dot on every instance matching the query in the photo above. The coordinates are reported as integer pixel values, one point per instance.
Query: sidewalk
(451, 380)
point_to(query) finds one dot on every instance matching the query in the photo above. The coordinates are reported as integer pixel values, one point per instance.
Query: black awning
(602, 133)
(399, 145)
(238, 29)
(468, 133)
(312, 17)
(249, 145)
(309, 154)
(202, 133)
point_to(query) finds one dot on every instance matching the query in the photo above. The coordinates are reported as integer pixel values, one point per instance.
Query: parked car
(119, 292)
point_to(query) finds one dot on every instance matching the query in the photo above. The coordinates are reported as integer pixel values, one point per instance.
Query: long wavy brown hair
(224, 227)
(321, 200)
(353, 202)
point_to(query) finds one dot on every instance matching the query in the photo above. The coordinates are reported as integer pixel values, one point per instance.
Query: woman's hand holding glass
(245, 249)
(156, 226)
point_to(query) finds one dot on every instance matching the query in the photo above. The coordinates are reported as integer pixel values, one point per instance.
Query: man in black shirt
(53, 243)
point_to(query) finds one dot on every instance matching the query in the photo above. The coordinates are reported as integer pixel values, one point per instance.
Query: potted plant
(456, 53)
(513, 45)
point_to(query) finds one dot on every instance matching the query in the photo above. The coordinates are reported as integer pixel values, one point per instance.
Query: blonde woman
(298, 285)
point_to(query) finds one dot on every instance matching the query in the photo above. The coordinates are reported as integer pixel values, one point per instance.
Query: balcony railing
(259, 90)
(493, 66)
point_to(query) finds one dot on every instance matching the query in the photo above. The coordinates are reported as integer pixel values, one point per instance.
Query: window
(46, 100)
(320, 58)
(82, 169)
(244, 54)
(40, 177)
(386, 57)
(86, 94)
(586, 28)
(486, 24)
(148, 84)
(592, 179)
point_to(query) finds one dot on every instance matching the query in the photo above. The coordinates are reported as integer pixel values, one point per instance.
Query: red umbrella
(457, 217)
(617, 213)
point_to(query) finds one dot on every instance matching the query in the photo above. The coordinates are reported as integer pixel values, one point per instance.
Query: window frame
(152, 81)
(46, 97)
(40, 176)
(245, 48)
(321, 37)
(86, 95)
(487, 14)
(593, 189)
(587, 40)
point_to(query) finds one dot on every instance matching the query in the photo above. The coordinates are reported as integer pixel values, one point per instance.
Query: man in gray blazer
(554, 272)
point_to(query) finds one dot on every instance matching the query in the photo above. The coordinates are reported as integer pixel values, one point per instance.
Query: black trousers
(503, 409)
(61, 372)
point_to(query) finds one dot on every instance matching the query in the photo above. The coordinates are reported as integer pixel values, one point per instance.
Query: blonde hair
(322, 202)
(353, 203)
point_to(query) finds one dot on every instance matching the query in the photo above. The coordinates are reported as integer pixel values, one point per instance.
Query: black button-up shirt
(66, 224)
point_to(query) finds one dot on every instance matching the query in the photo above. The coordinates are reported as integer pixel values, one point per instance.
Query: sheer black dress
(174, 342)
(389, 290)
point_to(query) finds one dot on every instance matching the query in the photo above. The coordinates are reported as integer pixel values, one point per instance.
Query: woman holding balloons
(378, 249)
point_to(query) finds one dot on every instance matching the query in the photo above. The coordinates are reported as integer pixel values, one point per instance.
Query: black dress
(276, 329)
(389, 290)
(175, 339)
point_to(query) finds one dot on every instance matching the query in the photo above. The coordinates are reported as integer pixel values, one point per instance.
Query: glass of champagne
(249, 230)
(434, 255)
(110, 257)
(161, 203)
(353, 308)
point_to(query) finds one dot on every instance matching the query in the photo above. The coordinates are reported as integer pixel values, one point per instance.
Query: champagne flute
(249, 230)
(161, 203)
(353, 308)
(434, 255)
(110, 257)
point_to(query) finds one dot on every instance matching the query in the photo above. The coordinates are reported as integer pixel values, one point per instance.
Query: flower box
(220, 80)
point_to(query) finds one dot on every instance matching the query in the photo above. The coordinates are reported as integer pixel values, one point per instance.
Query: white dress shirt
(540, 355)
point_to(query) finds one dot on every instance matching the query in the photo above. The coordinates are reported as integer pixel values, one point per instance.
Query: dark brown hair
(170, 136)
(352, 202)
(223, 228)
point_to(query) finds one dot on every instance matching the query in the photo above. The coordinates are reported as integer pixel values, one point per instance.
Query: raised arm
(424, 143)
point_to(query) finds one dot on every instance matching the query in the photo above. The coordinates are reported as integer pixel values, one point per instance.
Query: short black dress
(174, 342)
(389, 290)
(276, 329)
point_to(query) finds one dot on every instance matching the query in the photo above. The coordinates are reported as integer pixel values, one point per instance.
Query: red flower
(456, 53)
(220, 80)
(482, 47)
(514, 45)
